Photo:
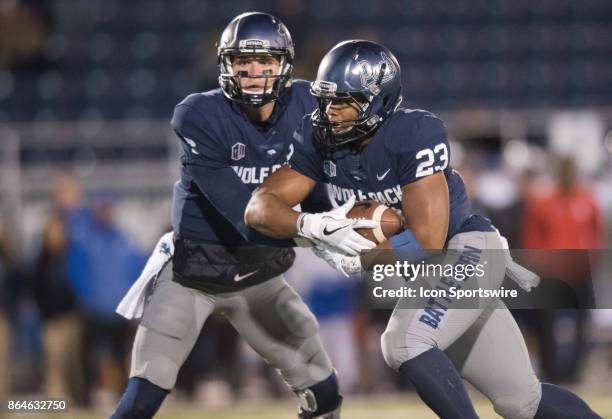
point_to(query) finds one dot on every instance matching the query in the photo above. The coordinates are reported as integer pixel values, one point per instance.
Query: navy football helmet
(364, 73)
(258, 34)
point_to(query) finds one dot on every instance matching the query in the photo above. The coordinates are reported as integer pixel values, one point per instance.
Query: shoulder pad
(412, 129)
(301, 84)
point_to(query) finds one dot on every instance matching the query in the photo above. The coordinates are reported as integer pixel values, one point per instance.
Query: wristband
(302, 241)
(299, 223)
(407, 248)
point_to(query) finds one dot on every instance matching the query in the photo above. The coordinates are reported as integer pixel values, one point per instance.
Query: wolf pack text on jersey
(410, 145)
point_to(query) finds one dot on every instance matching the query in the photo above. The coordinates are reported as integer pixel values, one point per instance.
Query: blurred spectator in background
(52, 290)
(24, 28)
(564, 217)
(375, 377)
(508, 220)
(103, 263)
(83, 246)
(67, 195)
(7, 277)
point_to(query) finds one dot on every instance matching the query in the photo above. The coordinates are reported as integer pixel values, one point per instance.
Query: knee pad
(321, 400)
(522, 405)
(141, 400)
(398, 347)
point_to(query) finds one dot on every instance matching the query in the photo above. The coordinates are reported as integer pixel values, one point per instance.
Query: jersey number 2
(438, 155)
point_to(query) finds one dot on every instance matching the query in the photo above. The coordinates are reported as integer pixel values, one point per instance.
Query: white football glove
(333, 229)
(345, 264)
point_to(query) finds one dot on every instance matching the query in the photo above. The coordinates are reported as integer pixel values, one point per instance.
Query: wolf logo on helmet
(373, 76)
(365, 73)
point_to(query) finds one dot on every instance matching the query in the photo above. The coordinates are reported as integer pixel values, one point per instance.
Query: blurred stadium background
(87, 88)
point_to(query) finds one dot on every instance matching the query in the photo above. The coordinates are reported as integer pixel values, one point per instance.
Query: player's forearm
(425, 207)
(230, 196)
(380, 255)
(430, 237)
(386, 254)
(271, 216)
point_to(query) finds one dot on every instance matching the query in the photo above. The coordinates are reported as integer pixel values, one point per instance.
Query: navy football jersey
(409, 146)
(217, 135)
(224, 157)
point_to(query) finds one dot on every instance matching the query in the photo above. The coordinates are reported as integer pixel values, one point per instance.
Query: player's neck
(260, 113)
(363, 143)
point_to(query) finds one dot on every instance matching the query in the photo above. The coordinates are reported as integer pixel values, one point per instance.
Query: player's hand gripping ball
(389, 222)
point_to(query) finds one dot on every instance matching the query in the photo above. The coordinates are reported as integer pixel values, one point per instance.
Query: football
(390, 223)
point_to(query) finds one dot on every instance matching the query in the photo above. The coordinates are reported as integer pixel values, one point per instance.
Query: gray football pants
(485, 343)
(270, 316)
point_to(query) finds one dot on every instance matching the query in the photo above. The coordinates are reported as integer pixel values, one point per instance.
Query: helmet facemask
(233, 82)
(360, 71)
(331, 135)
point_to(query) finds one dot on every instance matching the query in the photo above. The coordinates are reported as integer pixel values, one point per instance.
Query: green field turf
(377, 407)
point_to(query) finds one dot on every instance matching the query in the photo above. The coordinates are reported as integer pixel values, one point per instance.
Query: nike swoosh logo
(239, 278)
(328, 232)
(384, 175)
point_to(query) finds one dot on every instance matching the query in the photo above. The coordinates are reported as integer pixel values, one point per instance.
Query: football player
(232, 138)
(364, 145)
